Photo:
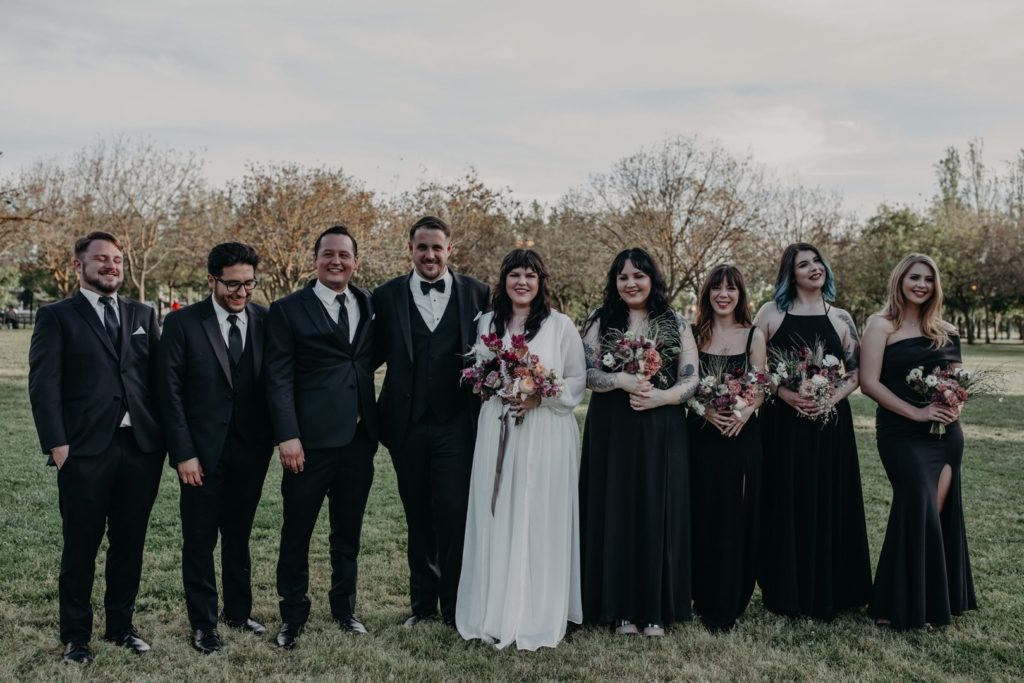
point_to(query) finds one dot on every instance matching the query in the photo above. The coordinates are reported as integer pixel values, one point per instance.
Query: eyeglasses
(235, 285)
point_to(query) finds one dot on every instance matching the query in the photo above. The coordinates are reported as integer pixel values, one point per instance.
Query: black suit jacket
(317, 382)
(197, 399)
(79, 386)
(394, 345)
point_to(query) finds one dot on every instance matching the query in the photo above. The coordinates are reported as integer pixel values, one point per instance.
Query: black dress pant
(342, 475)
(225, 503)
(433, 467)
(112, 492)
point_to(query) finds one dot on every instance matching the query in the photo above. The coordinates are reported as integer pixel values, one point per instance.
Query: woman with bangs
(924, 572)
(725, 457)
(634, 472)
(813, 548)
(520, 580)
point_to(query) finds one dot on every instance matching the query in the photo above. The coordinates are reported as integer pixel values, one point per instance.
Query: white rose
(708, 381)
(608, 360)
(931, 380)
(914, 375)
(819, 380)
(830, 361)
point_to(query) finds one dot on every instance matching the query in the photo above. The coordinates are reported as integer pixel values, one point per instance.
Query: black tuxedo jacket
(197, 398)
(318, 382)
(79, 386)
(394, 345)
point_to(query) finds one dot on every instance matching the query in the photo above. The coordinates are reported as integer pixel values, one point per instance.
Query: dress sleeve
(574, 369)
(954, 350)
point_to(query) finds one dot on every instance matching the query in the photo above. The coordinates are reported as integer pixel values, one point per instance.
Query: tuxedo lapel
(212, 329)
(255, 338)
(127, 324)
(404, 322)
(467, 324)
(92, 320)
(365, 315)
(316, 311)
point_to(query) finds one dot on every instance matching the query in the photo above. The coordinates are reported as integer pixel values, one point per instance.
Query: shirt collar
(326, 294)
(94, 297)
(222, 313)
(417, 279)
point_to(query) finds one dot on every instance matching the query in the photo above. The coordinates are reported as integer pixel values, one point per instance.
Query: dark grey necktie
(343, 317)
(234, 340)
(110, 322)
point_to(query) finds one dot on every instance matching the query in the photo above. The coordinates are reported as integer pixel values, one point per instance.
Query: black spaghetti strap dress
(924, 572)
(813, 558)
(725, 477)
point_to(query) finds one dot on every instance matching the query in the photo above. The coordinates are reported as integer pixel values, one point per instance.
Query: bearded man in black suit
(92, 366)
(215, 417)
(426, 322)
(319, 370)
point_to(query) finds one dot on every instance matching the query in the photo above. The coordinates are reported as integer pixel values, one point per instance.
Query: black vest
(436, 363)
(247, 400)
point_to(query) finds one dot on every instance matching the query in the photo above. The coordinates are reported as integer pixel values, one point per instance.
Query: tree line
(687, 200)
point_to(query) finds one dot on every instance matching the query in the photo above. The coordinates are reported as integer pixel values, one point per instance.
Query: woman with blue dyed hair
(813, 557)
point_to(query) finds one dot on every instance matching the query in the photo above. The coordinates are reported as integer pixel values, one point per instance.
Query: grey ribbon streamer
(502, 444)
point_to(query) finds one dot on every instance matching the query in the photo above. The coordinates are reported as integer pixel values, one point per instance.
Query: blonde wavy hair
(932, 324)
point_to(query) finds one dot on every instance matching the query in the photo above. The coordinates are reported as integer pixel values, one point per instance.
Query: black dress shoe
(288, 636)
(77, 653)
(129, 639)
(206, 641)
(419, 619)
(249, 625)
(352, 625)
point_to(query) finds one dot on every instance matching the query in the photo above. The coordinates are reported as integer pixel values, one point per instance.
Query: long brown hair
(932, 324)
(724, 273)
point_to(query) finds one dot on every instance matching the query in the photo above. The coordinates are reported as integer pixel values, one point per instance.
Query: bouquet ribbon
(502, 444)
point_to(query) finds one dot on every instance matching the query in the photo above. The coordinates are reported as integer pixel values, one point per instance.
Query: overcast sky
(861, 97)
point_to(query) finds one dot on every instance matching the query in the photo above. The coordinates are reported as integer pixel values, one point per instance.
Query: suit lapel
(127, 324)
(87, 312)
(404, 322)
(255, 337)
(316, 311)
(212, 329)
(365, 315)
(467, 325)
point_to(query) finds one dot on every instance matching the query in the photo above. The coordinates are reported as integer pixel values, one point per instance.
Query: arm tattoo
(851, 355)
(590, 355)
(688, 370)
(597, 379)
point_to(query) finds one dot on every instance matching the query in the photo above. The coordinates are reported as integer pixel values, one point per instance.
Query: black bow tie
(425, 286)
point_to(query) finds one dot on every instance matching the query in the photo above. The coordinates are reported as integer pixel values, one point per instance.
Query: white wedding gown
(520, 577)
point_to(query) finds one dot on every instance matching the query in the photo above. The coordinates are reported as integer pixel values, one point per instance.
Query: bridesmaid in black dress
(634, 473)
(725, 458)
(813, 558)
(924, 573)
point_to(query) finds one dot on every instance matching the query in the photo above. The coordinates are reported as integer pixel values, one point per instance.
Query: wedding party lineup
(717, 451)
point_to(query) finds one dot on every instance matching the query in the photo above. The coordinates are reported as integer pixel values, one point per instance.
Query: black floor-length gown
(924, 572)
(635, 512)
(725, 475)
(813, 559)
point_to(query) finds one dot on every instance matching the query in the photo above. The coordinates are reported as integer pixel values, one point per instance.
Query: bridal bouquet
(810, 372)
(727, 390)
(509, 372)
(950, 388)
(642, 352)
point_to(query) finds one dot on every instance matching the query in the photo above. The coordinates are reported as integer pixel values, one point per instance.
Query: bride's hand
(520, 407)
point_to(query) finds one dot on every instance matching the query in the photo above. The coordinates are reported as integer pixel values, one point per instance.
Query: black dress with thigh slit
(924, 572)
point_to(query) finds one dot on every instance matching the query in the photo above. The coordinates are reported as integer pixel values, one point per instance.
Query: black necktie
(234, 340)
(425, 286)
(343, 317)
(110, 322)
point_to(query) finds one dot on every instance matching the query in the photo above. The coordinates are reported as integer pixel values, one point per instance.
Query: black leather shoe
(288, 636)
(77, 653)
(206, 642)
(249, 625)
(419, 619)
(129, 639)
(352, 625)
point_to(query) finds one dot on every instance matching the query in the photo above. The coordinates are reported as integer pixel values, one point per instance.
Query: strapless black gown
(924, 572)
(813, 558)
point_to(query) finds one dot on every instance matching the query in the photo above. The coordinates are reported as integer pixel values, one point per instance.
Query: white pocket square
(139, 331)
(373, 317)
(478, 314)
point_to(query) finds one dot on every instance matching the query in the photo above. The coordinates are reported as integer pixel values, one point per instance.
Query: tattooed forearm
(851, 354)
(590, 354)
(688, 370)
(600, 381)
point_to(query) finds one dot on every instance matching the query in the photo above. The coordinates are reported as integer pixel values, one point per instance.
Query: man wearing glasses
(214, 411)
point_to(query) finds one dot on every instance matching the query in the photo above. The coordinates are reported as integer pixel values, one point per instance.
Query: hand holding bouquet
(727, 391)
(950, 388)
(642, 352)
(814, 375)
(511, 373)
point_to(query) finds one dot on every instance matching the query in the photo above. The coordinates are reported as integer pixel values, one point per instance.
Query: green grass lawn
(983, 645)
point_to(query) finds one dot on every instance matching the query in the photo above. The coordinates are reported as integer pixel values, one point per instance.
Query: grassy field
(987, 644)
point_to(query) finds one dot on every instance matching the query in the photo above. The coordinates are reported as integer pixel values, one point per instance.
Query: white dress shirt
(328, 297)
(225, 325)
(433, 304)
(94, 301)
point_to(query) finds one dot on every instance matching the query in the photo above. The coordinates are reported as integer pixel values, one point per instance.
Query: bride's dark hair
(501, 304)
(613, 312)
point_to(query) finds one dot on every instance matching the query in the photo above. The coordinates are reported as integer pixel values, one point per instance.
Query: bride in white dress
(520, 577)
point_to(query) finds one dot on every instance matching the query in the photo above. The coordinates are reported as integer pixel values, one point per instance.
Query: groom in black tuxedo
(92, 366)
(319, 370)
(426, 323)
(215, 417)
